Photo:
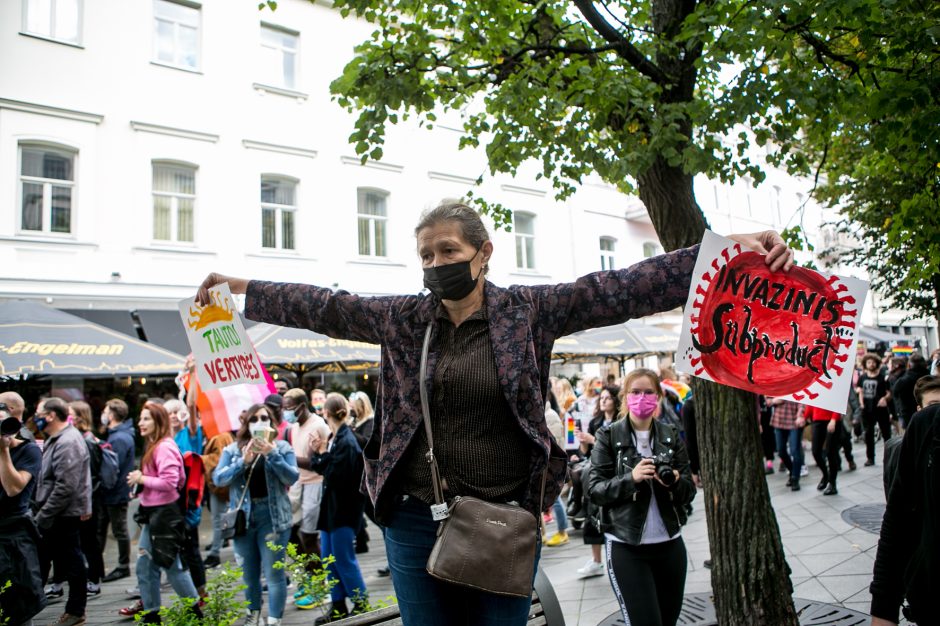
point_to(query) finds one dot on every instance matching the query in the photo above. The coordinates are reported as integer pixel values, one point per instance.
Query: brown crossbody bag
(483, 545)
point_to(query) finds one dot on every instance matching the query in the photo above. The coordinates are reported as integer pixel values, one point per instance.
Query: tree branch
(623, 47)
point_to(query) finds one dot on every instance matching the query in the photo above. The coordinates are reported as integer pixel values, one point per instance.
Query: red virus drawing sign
(788, 335)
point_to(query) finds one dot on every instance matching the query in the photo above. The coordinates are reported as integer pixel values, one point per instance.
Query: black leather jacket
(625, 503)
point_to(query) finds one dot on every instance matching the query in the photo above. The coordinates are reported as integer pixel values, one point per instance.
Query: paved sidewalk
(830, 559)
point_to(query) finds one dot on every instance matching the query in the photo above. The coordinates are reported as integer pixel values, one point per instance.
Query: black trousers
(768, 439)
(826, 448)
(189, 555)
(94, 557)
(648, 580)
(869, 418)
(61, 544)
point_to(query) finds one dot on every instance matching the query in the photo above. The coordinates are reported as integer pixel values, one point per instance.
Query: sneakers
(307, 601)
(211, 561)
(591, 568)
(54, 590)
(116, 574)
(769, 467)
(92, 589)
(804, 471)
(558, 539)
(132, 610)
(274, 621)
(254, 618)
(69, 620)
(133, 592)
(548, 518)
(383, 572)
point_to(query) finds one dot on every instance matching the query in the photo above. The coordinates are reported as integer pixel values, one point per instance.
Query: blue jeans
(794, 459)
(426, 601)
(218, 506)
(340, 544)
(148, 575)
(252, 549)
(561, 518)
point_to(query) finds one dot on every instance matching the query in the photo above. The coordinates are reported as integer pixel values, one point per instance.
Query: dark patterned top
(524, 322)
(468, 409)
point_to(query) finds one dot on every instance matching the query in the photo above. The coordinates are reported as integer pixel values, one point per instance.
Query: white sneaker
(591, 568)
(254, 618)
(804, 471)
(273, 621)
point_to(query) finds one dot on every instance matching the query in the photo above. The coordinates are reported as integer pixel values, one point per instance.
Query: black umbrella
(38, 340)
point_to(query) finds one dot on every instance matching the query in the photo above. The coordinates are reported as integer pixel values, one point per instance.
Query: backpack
(105, 469)
(193, 489)
(110, 471)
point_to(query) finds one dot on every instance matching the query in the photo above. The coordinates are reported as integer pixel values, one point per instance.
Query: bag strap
(247, 481)
(426, 414)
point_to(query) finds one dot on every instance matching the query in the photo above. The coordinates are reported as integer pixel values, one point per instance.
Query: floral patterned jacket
(524, 323)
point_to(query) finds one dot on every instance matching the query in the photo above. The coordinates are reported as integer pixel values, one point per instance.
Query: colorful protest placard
(571, 439)
(782, 334)
(224, 355)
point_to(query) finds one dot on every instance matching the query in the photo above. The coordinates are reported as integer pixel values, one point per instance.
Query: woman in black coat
(339, 461)
(641, 479)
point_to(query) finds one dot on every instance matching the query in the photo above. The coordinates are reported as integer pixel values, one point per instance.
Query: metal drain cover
(865, 516)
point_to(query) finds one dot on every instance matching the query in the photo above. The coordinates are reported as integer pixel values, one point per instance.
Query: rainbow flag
(219, 408)
(902, 350)
(570, 440)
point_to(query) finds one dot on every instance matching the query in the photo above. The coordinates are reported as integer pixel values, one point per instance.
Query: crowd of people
(469, 361)
(292, 469)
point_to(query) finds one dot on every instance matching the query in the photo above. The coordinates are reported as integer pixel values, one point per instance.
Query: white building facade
(144, 144)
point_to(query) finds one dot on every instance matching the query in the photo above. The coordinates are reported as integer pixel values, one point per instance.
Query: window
(373, 215)
(523, 224)
(47, 183)
(278, 57)
(55, 19)
(607, 253)
(174, 200)
(278, 205)
(176, 34)
(651, 249)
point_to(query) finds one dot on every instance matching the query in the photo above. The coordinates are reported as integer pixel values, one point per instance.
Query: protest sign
(571, 439)
(782, 334)
(224, 355)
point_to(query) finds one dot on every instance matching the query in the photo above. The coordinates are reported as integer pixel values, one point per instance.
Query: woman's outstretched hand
(236, 285)
(768, 242)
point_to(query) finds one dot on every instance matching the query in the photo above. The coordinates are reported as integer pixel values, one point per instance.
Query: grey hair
(471, 226)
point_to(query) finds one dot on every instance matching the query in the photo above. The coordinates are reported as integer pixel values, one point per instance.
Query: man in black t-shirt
(20, 466)
(874, 395)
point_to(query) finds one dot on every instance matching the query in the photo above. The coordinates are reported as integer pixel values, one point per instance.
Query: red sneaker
(132, 610)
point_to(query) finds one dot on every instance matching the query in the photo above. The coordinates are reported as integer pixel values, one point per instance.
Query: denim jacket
(280, 470)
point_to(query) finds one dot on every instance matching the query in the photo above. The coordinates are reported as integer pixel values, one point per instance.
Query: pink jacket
(163, 475)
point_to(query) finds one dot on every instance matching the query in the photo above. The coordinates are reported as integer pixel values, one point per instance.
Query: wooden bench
(545, 611)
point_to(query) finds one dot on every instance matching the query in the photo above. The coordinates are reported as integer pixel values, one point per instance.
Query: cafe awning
(300, 350)
(38, 340)
(619, 342)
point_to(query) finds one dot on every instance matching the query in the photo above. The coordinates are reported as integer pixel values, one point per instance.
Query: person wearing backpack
(80, 414)
(121, 439)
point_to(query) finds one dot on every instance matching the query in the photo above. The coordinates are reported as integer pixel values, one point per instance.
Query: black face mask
(452, 281)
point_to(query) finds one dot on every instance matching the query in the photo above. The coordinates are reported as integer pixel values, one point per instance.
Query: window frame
(279, 210)
(610, 254)
(47, 184)
(155, 48)
(174, 203)
(373, 220)
(281, 49)
(51, 35)
(651, 249)
(528, 264)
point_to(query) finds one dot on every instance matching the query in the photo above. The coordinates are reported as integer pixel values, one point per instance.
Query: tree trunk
(750, 575)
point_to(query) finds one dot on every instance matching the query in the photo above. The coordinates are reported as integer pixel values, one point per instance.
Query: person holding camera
(640, 476)
(258, 468)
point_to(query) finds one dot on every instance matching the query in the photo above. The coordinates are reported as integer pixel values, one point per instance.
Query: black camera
(663, 464)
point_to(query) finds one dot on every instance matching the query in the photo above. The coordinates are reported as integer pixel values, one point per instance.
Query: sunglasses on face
(259, 416)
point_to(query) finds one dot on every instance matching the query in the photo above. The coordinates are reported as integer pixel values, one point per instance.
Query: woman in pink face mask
(641, 478)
